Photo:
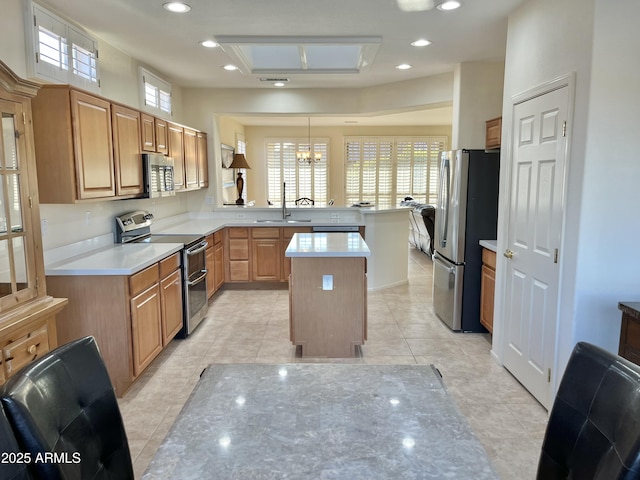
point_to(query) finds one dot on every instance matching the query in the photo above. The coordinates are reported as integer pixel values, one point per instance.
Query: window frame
(72, 38)
(161, 86)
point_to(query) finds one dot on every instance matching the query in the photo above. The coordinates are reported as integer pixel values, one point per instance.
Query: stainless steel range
(136, 227)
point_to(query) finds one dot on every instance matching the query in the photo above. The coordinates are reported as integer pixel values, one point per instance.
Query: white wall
(599, 254)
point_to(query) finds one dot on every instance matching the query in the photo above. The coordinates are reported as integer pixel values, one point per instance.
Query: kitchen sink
(279, 220)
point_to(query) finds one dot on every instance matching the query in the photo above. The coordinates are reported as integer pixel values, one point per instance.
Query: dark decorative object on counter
(239, 161)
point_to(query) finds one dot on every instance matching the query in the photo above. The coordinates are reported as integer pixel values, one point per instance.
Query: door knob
(508, 253)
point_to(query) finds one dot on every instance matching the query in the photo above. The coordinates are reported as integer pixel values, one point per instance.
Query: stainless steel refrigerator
(466, 212)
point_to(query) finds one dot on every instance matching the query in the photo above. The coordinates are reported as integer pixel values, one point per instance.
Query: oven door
(195, 286)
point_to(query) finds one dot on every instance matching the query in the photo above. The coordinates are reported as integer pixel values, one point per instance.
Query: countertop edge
(489, 245)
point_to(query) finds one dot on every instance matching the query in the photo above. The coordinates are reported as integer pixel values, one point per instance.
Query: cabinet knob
(508, 253)
(32, 349)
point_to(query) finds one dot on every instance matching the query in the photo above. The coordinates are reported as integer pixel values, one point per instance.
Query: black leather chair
(64, 404)
(594, 426)
(14, 463)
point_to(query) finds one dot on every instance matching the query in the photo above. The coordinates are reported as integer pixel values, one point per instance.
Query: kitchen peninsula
(328, 293)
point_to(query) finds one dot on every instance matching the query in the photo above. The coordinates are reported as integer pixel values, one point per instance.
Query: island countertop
(329, 244)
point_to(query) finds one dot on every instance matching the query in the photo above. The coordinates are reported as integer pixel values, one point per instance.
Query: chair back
(62, 408)
(14, 463)
(594, 425)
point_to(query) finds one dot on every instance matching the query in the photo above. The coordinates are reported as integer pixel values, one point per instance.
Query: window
(302, 179)
(384, 170)
(61, 52)
(156, 93)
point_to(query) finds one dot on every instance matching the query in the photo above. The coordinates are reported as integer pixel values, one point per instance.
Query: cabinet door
(218, 271)
(93, 146)
(266, 259)
(487, 290)
(146, 330)
(148, 132)
(190, 159)
(171, 304)
(162, 136)
(210, 262)
(176, 150)
(126, 149)
(203, 161)
(493, 133)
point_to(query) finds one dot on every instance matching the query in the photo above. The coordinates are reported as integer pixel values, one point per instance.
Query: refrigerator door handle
(445, 198)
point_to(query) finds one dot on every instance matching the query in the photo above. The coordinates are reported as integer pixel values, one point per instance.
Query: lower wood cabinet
(629, 347)
(265, 254)
(215, 262)
(132, 317)
(237, 255)
(487, 288)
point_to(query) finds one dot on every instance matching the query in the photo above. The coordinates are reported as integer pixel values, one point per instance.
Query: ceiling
(169, 42)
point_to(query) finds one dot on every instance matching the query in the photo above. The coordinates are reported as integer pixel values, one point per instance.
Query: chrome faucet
(285, 214)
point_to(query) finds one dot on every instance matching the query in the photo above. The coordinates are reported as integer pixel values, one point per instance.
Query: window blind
(384, 170)
(302, 179)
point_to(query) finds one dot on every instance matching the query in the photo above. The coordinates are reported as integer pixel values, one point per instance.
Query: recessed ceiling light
(278, 84)
(209, 43)
(403, 66)
(176, 7)
(230, 68)
(449, 5)
(421, 43)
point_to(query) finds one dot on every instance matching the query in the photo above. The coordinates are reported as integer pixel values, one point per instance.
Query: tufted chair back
(594, 426)
(63, 409)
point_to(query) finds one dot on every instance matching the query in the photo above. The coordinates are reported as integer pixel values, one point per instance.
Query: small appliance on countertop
(135, 227)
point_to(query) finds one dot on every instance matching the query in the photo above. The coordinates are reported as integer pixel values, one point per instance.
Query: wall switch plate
(208, 200)
(87, 217)
(327, 282)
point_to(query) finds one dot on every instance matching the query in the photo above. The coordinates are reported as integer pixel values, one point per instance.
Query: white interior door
(534, 235)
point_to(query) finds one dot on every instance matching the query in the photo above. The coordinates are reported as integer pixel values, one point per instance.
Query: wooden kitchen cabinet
(493, 133)
(126, 125)
(190, 159)
(170, 297)
(162, 136)
(266, 260)
(237, 254)
(74, 146)
(203, 160)
(629, 346)
(148, 132)
(175, 137)
(211, 265)
(132, 317)
(215, 262)
(487, 288)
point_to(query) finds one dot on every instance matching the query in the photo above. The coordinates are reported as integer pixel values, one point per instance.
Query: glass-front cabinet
(27, 313)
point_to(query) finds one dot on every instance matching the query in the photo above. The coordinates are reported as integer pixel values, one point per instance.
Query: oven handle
(197, 249)
(197, 280)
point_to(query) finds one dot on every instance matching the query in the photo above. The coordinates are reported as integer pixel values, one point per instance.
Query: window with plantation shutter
(155, 93)
(303, 179)
(61, 52)
(385, 170)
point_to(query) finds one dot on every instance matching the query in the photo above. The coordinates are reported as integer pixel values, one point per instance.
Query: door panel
(535, 227)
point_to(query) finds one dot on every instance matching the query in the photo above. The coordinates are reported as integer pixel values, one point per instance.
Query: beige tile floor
(252, 327)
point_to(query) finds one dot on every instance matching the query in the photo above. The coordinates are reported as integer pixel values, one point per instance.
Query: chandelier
(307, 156)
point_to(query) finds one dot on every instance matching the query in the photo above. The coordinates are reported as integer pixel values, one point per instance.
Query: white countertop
(115, 260)
(331, 244)
(489, 244)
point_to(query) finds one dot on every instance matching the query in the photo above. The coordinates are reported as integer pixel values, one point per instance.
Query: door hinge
(555, 256)
(564, 129)
(549, 375)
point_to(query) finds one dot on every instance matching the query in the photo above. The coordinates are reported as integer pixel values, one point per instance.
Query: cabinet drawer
(238, 249)
(217, 237)
(238, 232)
(265, 232)
(26, 349)
(169, 265)
(489, 258)
(144, 279)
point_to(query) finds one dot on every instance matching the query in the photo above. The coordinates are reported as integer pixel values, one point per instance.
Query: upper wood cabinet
(176, 150)
(148, 132)
(190, 159)
(162, 136)
(203, 162)
(126, 150)
(493, 133)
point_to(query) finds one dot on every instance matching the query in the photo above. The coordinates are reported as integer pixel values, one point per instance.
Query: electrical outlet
(327, 282)
(87, 217)
(240, 215)
(43, 226)
(335, 215)
(208, 200)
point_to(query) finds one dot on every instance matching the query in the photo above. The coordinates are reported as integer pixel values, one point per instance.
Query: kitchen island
(328, 293)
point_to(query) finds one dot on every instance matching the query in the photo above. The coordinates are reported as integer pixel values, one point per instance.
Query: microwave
(158, 175)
